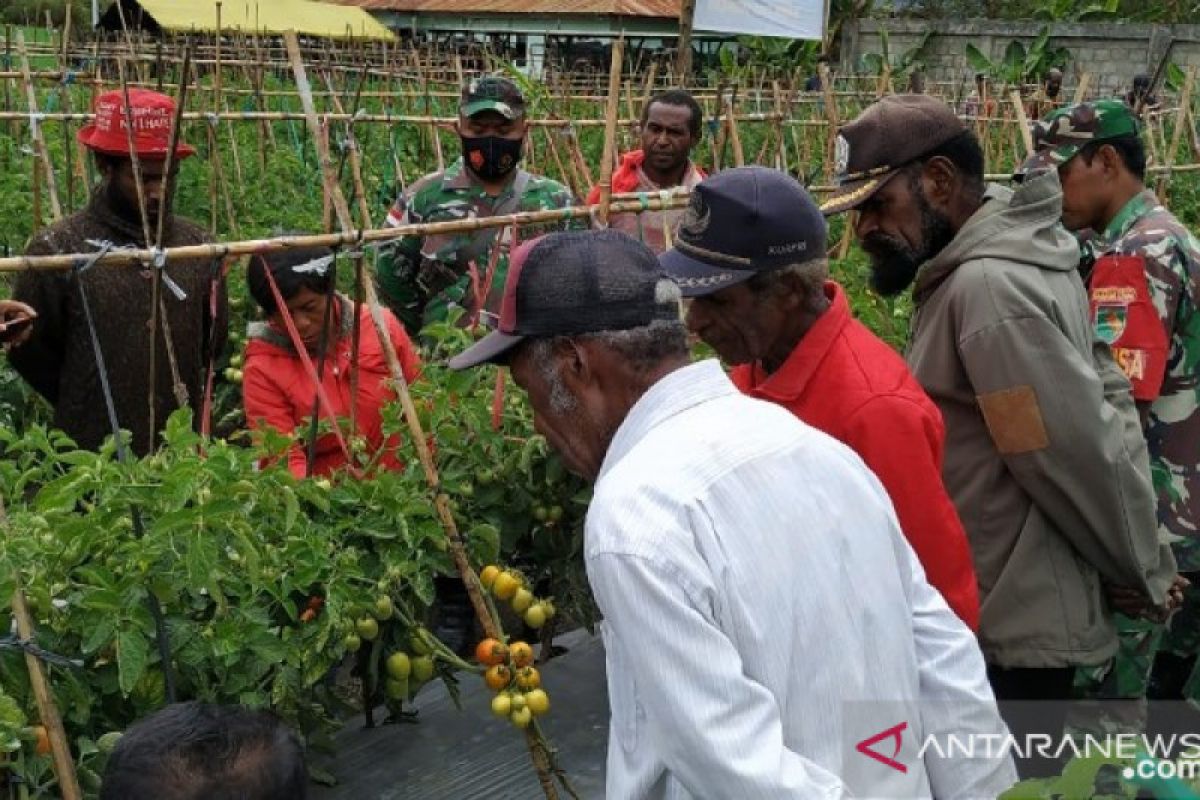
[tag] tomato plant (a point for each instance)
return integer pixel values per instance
(270, 586)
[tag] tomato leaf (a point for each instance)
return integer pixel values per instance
(132, 654)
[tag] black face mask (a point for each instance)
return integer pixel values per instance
(491, 157)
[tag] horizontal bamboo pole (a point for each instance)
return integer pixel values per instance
(135, 257)
(281, 116)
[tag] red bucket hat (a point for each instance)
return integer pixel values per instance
(152, 114)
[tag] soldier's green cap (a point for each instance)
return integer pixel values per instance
(492, 93)
(1065, 131)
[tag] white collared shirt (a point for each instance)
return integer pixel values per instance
(763, 614)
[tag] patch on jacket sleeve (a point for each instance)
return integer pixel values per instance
(1014, 420)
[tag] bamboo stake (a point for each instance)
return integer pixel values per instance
(722, 131)
(1185, 103)
(577, 156)
(1022, 121)
(60, 749)
(7, 89)
(739, 155)
(781, 155)
(39, 142)
(610, 130)
(441, 501)
(831, 114)
(1082, 89)
(569, 176)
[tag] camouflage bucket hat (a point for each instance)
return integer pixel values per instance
(1063, 132)
(492, 93)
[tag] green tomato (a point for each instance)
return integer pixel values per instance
(399, 666)
(396, 689)
(417, 644)
(522, 600)
(367, 628)
(422, 668)
(108, 741)
(384, 608)
(352, 643)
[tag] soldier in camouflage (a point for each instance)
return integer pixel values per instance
(1142, 268)
(422, 277)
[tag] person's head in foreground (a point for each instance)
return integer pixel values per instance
(588, 323)
(492, 126)
(108, 139)
(304, 278)
(200, 751)
(750, 253)
(1097, 149)
(914, 173)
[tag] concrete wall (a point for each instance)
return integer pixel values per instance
(1111, 52)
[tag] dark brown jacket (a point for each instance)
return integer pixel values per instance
(59, 361)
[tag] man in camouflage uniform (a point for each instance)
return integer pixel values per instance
(422, 277)
(1142, 268)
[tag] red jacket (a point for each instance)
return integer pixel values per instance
(845, 381)
(279, 392)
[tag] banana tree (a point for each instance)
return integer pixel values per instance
(901, 65)
(1019, 63)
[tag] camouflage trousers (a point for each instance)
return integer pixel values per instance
(1127, 675)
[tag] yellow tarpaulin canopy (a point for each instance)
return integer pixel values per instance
(270, 16)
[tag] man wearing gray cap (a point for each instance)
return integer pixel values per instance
(1044, 457)
(768, 632)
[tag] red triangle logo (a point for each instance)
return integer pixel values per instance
(893, 732)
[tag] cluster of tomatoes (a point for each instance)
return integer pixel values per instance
(509, 585)
(403, 669)
(517, 683)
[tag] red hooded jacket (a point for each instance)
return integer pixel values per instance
(279, 393)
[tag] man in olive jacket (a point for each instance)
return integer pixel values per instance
(1044, 456)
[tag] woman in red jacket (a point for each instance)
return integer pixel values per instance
(279, 390)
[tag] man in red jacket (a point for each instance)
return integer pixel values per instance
(671, 127)
(762, 299)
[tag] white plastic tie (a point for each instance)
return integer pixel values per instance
(317, 266)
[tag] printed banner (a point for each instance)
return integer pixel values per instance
(794, 19)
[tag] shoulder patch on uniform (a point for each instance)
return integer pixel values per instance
(1014, 419)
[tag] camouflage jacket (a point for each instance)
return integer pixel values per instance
(1171, 255)
(421, 277)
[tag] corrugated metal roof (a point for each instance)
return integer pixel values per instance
(632, 8)
(272, 16)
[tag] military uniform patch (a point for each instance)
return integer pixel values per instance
(1109, 321)
(1132, 362)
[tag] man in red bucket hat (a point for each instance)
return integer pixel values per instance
(58, 358)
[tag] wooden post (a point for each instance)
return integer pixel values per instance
(683, 60)
(610, 128)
